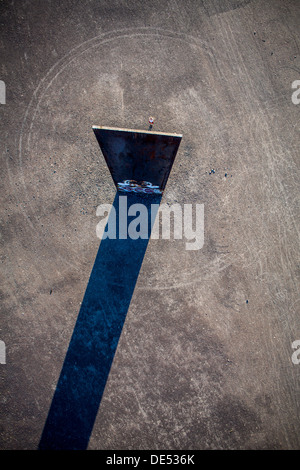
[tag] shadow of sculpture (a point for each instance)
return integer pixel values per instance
(95, 338)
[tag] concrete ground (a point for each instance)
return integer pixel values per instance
(205, 359)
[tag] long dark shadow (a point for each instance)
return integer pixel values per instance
(95, 338)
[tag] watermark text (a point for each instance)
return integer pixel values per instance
(296, 354)
(2, 92)
(2, 352)
(165, 222)
(295, 97)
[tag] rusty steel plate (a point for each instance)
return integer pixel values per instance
(139, 161)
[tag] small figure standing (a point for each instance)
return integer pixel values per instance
(151, 122)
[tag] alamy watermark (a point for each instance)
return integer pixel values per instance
(184, 222)
(296, 354)
(2, 352)
(295, 98)
(2, 92)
